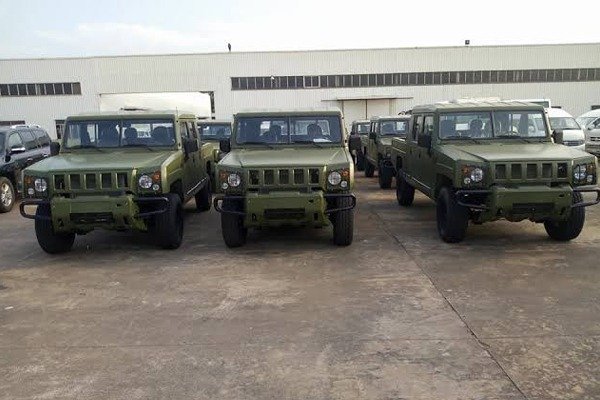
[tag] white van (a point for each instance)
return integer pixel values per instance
(561, 120)
(590, 123)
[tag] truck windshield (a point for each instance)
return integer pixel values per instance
(215, 131)
(479, 125)
(362, 129)
(119, 133)
(395, 128)
(563, 123)
(289, 130)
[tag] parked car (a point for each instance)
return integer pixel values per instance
(484, 161)
(212, 132)
(360, 128)
(560, 120)
(20, 147)
(286, 168)
(124, 170)
(590, 123)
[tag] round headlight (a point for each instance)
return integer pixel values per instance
(234, 180)
(40, 185)
(579, 172)
(145, 182)
(477, 175)
(334, 178)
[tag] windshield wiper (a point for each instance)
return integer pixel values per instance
(138, 145)
(85, 146)
(512, 137)
(318, 144)
(456, 137)
(263, 143)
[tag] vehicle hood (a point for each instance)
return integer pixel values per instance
(301, 157)
(573, 134)
(114, 160)
(513, 152)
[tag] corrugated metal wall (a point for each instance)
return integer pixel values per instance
(212, 72)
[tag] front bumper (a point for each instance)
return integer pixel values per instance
(536, 203)
(85, 213)
(285, 207)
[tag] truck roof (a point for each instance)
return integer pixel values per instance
(477, 106)
(214, 122)
(361, 121)
(133, 114)
(295, 112)
(390, 117)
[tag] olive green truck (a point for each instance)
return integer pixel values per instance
(484, 161)
(125, 170)
(286, 169)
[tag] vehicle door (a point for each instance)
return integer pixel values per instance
(408, 164)
(16, 156)
(425, 158)
(33, 150)
(43, 141)
(372, 150)
(190, 168)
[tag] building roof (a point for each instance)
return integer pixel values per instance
(477, 106)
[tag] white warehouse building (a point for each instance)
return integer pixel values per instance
(360, 82)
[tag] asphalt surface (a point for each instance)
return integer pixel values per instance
(508, 314)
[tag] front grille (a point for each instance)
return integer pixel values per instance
(532, 208)
(595, 139)
(284, 213)
(531, 171)
(284, 177)
(92, 182)
(92, 218)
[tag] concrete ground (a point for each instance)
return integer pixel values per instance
(508, 314)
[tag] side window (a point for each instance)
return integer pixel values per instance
(428, 125)
(14, 140)
(184, 130)
(42, 138)
(29, 140)
(417, 127)
(192, 130)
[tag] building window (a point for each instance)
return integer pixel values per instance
(39, 89)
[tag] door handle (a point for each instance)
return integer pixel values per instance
(30, 159)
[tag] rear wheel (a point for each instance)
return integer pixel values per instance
(204, 197)
(360, 161)
(369, 169)
(405, 193)
(7, 195)
(452, 218)
(343, 223)
(232, 225)
(385, 176)
(570, 228)
(49, 241)
(168, 226)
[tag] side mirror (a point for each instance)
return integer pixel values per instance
(225, 145)
(557, 135)
(372, 135)
(424, 141)
(17, 149)
(54, 148)
(354, 143)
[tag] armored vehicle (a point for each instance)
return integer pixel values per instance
(484, 161)
(377, 150)
(360, 129)
(124, 170)
(20, 147)
(212, 132)
(286, 168)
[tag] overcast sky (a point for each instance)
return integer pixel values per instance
(82, 28)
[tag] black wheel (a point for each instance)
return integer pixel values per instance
(343, 223)
(49, 241)
(369, 169)
(570, 228)
(7, 195)
(232, 225)
(405, 193)
(360, 161)
(167, 228)
(452, 218)
(385, 176)
(204, 198)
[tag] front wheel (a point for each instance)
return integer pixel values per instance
(369, 169)
(570, 228)
(232, 225)
(204, 198)
(50, 241)
(385, 176)
(7, 195)
(360, 160)
(343, 223)
(405, 193)
(452, 218)
(168, 226)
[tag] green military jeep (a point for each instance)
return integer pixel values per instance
(125, 170)
(212, 131)
(484, 161)
(286, 168)
(377, 149)
(360, 129)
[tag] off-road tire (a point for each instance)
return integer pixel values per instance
(204, 197)
(360, 160)
(232, 225)
(385, 176)
(405, 193)
(452, 218)
(343, 223)
(7, 195)
(571, 227)
(369, 169)
(49, 241)
(167, 228)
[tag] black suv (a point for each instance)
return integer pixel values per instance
(20, 146)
